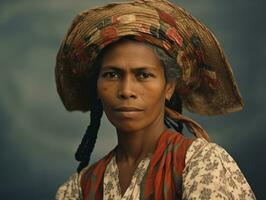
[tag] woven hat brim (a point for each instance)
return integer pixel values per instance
(206, 86)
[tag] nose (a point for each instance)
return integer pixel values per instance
(126, 89)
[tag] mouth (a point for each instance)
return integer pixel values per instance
(127, 109)
(128, 112)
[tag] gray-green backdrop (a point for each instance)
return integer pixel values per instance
(38, 137)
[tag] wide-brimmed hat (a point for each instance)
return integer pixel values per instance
(206, 85)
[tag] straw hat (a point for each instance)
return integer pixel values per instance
(206, 84)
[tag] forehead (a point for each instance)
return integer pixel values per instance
(130, 53)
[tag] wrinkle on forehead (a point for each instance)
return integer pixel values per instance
(129, 53)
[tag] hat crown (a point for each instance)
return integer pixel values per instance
(206, 84)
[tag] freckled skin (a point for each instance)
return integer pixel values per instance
(131, 75)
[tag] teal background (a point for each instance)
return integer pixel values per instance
(38, 137)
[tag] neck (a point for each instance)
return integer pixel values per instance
(134, 146)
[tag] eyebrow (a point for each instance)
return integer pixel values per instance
(134, 69)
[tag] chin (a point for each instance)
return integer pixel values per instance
(128, 127)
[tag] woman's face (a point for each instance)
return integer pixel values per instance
(132, 86)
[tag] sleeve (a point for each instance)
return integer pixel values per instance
(70, 190)
(211, 173)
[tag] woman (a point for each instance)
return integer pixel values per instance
(139, 63)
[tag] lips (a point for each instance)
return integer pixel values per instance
(128, 112)
(127, 109)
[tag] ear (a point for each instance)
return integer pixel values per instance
(169, 89)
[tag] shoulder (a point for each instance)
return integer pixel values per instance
(173, 145)
(210, 172)
(201, 151)
(171, 137)
(97, 168)
(70, 190)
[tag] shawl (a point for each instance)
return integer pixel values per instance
(163, 179)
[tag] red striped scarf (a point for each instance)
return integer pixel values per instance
(163, 179)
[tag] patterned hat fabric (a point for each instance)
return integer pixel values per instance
(206, 85)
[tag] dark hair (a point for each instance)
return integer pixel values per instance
(171, 71)
(87, 144)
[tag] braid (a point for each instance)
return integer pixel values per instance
(87, 144)
(175, 104)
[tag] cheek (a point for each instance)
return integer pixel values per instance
(155, 93)
(101, 89)
(104, 92)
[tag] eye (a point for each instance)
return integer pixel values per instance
(111, 75)
(145, 75)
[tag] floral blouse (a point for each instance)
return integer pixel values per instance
(210, 173)
(111, 186)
